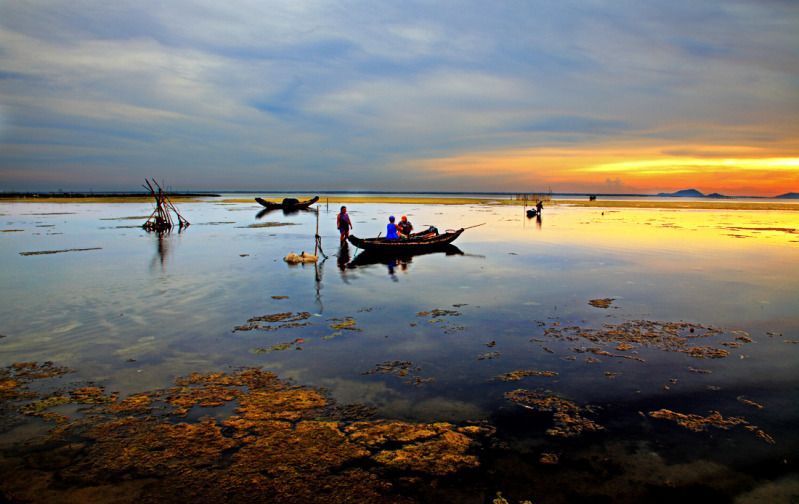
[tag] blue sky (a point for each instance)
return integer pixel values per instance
(388, 95)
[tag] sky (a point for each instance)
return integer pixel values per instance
(518, 96)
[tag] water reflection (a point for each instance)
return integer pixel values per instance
(285, 211)
(161, 250)
(735, 270)
(343, 256)
(396, 261)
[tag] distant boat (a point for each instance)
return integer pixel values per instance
(426, 241)
(288, 203)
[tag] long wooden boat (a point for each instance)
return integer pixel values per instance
(424, 241)
(288, 203)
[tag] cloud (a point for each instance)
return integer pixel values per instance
(342, 94)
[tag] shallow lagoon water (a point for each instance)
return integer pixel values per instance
(143, 310)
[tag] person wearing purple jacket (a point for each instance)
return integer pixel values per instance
(344, 224)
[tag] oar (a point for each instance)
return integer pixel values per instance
(464, 229)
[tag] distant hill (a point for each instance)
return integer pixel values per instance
(717, 196)
(685, 193)
(790, 195)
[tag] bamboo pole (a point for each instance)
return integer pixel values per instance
(316, 236)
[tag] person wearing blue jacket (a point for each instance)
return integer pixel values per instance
(391, 229)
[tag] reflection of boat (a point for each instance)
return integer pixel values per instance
(428, 240)
(267, 211)
(288, 203)
(368, 257)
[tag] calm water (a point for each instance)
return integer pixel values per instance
(141, 310)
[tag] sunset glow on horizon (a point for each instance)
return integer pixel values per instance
(619, 170)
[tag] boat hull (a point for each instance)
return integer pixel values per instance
(300, 205)
(410, 246)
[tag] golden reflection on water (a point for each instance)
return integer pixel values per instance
(660, 229)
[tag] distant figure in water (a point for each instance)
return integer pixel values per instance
(391, 229)
(405, 227)
(344, 224)
(539, 206)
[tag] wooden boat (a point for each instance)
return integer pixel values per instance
(288, 203)
(427, 240)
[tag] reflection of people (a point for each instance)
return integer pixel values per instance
(391, 229)
(405, 226)
(344, 224)
(343, 256)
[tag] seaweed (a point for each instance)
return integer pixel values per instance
(345, 324)
(749, 402)
(666, 336)
(438, 313)
(523, 373)
(279, 347)
(601, 303)
(402, 369)
(698, 423)
(276, 446)
(548, 459)
(567, 415)
(275, 321)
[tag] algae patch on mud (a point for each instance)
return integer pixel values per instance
(567, 416)
(601, 303)
(274, 444)
(275, 321)
(633, 334)
(698, 423)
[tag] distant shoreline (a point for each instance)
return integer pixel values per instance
(646, 201)
(676, 203)
(107, 197)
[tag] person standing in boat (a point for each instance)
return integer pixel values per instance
(391, 229)
(344, 224)
(405, 227)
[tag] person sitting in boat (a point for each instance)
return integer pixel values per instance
(344, 224)
(391, 229)
(405, 227)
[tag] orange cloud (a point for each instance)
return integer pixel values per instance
(624, 168)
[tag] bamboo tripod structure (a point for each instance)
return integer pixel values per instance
(161, 220)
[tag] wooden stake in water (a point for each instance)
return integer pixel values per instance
(316, 237)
